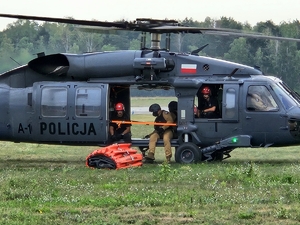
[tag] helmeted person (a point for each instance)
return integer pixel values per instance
(208, 106)
(121, 130)
(160, 132)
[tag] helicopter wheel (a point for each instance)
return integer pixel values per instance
(187, 153)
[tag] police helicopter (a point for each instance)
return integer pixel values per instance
(66, 98)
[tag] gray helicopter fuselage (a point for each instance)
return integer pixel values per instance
(66, 98)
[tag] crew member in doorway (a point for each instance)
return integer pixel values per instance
(121, 130)
(172, 106)
(160, 132)
(208, 106)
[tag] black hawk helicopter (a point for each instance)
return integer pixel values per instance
(66, 98)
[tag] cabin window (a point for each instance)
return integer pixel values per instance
(213, 101)
(54, 102)
(230, 105)
(88, 102)
(260, 99)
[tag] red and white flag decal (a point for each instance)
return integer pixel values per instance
(188, 68)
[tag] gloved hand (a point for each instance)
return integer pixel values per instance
(147, 136)
(119, 136)
(202, 113)
(160, 130)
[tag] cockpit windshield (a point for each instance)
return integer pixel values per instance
(286, 95)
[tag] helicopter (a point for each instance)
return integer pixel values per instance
(66, 98)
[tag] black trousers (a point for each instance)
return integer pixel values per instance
(126, 138)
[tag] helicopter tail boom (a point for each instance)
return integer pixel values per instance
(91, 65)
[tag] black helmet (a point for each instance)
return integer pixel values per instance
(154, 107)
(172, 106)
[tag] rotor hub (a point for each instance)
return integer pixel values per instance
(155, 41)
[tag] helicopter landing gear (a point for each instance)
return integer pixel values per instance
(215, 156)
(143, 150)
(218, 155)
(187, 153)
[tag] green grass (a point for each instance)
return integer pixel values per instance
(50, 184)
(45, 184)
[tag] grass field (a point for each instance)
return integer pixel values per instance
(50, 184)
(44, 184)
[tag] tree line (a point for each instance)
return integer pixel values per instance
(22, 40)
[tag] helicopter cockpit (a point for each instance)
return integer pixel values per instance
(287, 97)
(259, 98)
(291, 102)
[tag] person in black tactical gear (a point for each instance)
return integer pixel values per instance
(160, 132)
(172, 106)
(120, 131)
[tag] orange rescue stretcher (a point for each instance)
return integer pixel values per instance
(115, 156)
(119, 155)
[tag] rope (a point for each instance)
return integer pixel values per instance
(143, 123)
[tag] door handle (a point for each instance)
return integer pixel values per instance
(284, 128)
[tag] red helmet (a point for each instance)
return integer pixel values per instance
(119, 107)
(206, 91)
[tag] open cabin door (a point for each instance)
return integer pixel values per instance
(70, 112)
(211, 130)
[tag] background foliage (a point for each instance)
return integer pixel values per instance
(22, 40)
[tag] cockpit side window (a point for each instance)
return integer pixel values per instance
(259, 98)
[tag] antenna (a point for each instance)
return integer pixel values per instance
(15, 61)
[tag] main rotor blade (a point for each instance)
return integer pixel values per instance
(68, 21)
(148, 25)
(145, 25)
(257, 35)
(160, 29)
(174, 29)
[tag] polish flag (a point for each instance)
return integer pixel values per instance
(189, 68)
